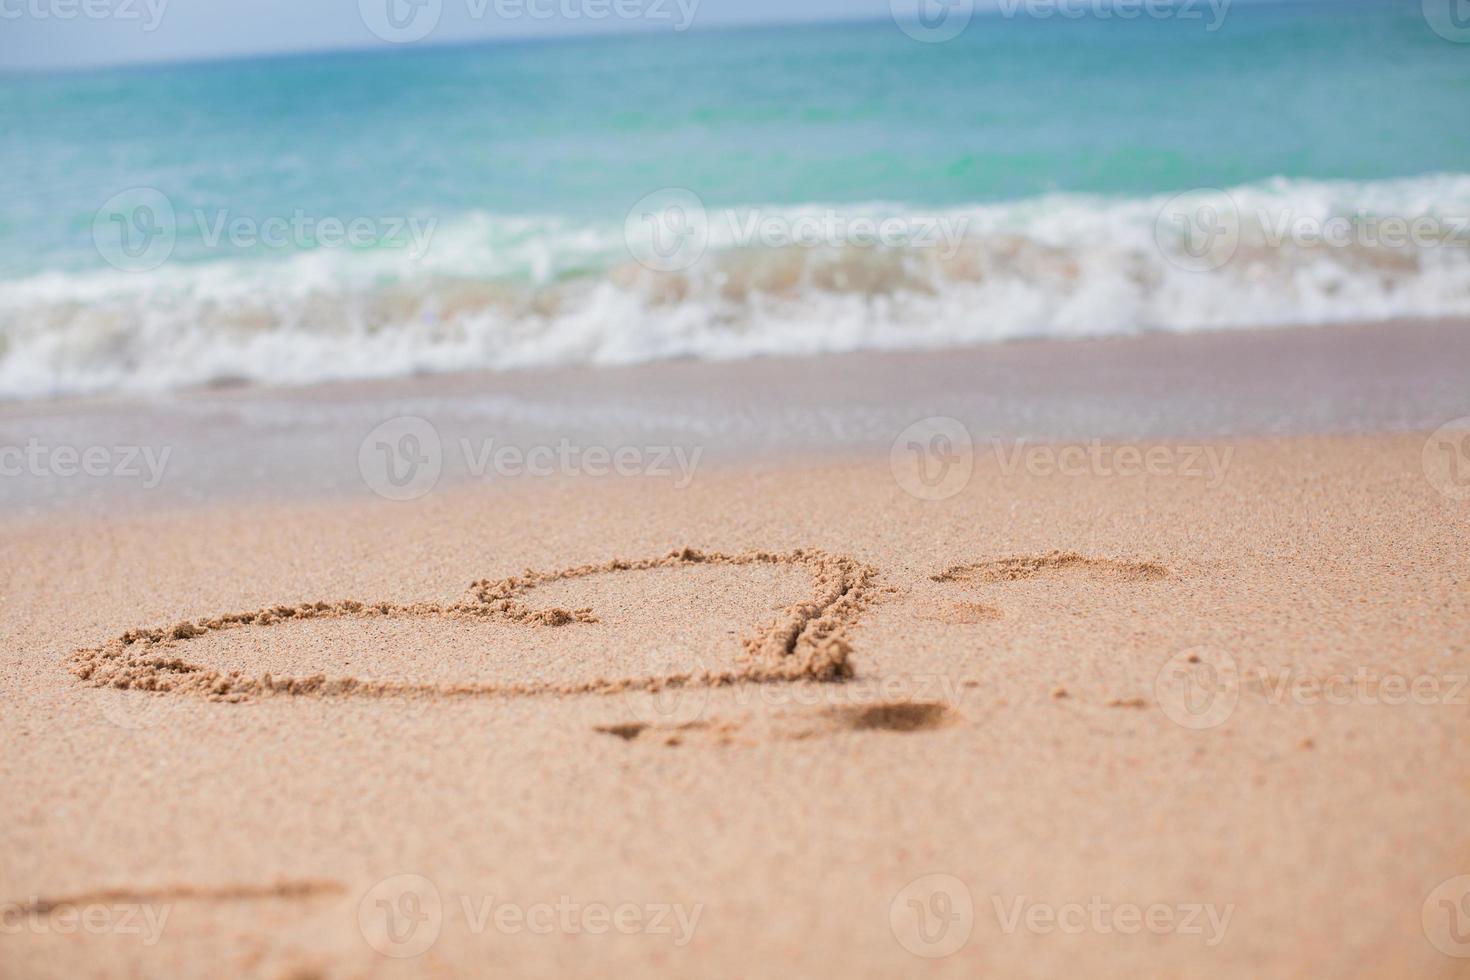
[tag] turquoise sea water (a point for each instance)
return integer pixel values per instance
(1048, 146)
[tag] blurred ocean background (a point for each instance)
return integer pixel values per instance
(495, 187)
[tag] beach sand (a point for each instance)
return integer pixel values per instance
(1192, 722)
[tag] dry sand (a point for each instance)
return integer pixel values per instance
(1002, 689)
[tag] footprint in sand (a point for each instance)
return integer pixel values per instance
(807, 640)
(1015, 569)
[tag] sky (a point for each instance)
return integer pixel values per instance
(44, 34)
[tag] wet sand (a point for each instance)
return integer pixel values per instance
(288, 444)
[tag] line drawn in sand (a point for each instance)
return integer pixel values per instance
(1015, 569)
(807, 641)
(289, 889)
(1034, 566)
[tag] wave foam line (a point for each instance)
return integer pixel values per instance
(500, 293)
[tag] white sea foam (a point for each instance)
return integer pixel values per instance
(501, 292)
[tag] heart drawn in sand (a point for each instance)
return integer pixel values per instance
(806, 641)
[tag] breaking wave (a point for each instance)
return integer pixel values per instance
(493, 292)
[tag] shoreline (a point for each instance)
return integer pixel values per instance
(685, 371)
(687, 417)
